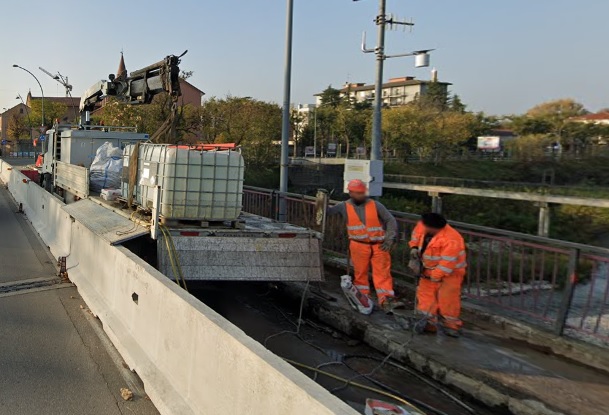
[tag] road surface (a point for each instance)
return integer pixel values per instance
(55, 358)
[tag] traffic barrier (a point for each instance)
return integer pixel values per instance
(191, 359)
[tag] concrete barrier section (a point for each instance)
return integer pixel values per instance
(191, 359)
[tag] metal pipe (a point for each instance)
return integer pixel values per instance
(285, 129)
(375, 150)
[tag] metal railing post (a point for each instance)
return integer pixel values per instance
(436, 203)
(543, 228)
(274, 205)
(565, 305)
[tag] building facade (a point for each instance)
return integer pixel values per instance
(396, 92)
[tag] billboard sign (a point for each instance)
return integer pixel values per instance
(489, 143)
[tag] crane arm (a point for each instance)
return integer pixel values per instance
(139, 87)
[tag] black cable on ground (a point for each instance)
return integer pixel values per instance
(417, 375)
(355, 384)
(398, 393)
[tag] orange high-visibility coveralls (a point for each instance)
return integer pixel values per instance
(365, 247)
(444, 262)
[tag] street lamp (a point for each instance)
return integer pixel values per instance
(41, 91)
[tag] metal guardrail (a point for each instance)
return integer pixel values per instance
(541, 188)
(559, 285)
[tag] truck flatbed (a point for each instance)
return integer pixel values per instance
(260, 250)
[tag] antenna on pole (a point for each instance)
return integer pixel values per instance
(63, 80)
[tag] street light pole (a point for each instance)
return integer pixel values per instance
(285, 128)
(41, 91)
(381, 20)
(315, 135)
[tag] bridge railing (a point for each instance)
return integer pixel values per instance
(559, 285)
(529, 187)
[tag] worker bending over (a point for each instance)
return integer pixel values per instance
(441, 252)
(372, 231)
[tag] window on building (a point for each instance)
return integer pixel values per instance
(20, 110)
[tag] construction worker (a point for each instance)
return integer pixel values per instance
(441, 252)
(372, 231)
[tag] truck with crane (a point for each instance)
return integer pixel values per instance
(177, 206)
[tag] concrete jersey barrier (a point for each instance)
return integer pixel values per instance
(191, 359)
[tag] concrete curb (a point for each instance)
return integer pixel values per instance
(488, 391)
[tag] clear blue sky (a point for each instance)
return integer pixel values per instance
(502, 56)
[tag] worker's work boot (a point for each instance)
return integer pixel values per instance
(392, 303)
(456, 333)
(423, 326)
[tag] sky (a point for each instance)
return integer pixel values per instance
(502, 56)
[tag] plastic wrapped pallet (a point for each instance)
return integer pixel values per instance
(106, 169)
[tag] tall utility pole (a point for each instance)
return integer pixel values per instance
(381, 20)
(422, 59)
(285, 128)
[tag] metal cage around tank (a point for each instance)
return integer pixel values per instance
(204, 185)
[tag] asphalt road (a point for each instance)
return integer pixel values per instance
(54, 359)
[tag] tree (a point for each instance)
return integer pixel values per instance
(18, 127)
(436, 96)
(331, 97)
(530, 147)
(456, 104)
(555, 120)
(52, 111)
(353, 126)
(557, 110)
(252, 124)
(427, 131)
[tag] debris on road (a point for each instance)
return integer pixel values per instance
(126, 394)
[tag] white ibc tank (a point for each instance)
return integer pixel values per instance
(195, 184)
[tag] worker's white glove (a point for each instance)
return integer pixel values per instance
(415, 262)
(414, 253)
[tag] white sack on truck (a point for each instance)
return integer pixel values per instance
(106, 169)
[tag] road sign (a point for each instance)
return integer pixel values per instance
(41, 138)
(3, 142)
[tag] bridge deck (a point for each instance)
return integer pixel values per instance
(55, 357)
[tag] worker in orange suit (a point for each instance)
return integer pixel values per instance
(441, 252)
(372, 232)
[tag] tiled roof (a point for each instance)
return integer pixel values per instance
(599, 116)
